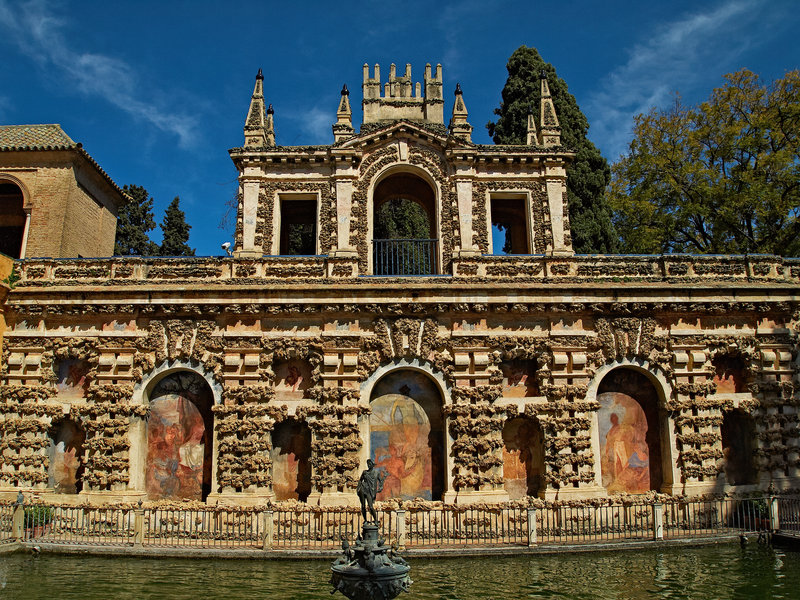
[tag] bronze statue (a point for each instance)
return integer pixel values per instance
(369, 485)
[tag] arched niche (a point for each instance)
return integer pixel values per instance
(407, 434)
(730, 373)
(634, 457)
(292, 378)
(519, 378)
(71, 378)
(13, 217)
(179, 436)
(738, 446)
(66, 457)
(403, 223)
(523, 457)
(291, 460)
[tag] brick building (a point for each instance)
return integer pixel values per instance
(55, 200)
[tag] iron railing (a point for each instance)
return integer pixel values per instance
(404, 257)
(302, 527)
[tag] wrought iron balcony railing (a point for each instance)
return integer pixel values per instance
(403, 257)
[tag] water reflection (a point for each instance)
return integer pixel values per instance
(714, 572)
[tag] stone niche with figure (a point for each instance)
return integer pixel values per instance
(404, 295)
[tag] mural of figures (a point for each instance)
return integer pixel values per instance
(178, 438)
(519, 378)
(66, 458)
(291, 461)
(738, 433)
(292, 378)
(630, 458)
(523, 458)
(730, 374)
(71, 382)
(406, 436)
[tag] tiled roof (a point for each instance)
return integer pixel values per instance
(34, 137)
(46, 137)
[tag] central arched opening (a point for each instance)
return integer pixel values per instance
(291, 460)
(630, 433)
(180, 438)
(404, 231)
(407, 435)
(12, 219)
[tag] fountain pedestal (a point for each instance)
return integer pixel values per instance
(369, 570)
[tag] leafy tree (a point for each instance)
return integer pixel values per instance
(135, 219)
(401, 218)
(721, 177)
(588, 175)
(176, 232)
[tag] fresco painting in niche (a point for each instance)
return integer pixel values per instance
(291, 464)
(406, 437)
(178, 455)
(738, 433)
(71, 379)
(519, 378)
(523, 458)
(729, 374)
(624, 452)
(292, 377)
(66, 458)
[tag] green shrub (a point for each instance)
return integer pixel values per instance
(36, 516)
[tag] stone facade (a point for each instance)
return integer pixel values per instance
(467, 372)
(67, 204)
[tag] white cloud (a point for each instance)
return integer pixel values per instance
(675, 57)
(38, 33)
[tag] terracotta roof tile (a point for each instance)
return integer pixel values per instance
(34, 137)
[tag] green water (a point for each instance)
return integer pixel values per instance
(712, 572)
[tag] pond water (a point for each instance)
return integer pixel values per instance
(712, 572)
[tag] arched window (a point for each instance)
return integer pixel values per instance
(291, 460)
(12, 219)
(630, 433)
(407, 435)
(179, 438)
(523, 457)
(404, 214)
(65, 473)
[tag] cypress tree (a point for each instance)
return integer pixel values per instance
(588, 174)
(134, 220)
(176, 232)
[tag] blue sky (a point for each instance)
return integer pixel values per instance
(158, 91)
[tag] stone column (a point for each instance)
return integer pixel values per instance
(556, 177)
(249, 213)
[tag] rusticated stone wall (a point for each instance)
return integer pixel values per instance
(234, 341)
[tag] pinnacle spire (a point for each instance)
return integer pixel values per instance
(533, 137)
(343, 128)
(258, 130)
(548, 120)
(459, 127)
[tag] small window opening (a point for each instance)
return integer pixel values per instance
(509, 226)
(12, 220)
(298, 227)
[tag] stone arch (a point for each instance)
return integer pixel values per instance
(738, 446)
(640, 455)
(14, 216)
(66, 456)
(406, 433)
(174, 451)
(523, 457)
(422, 188)
(291, 460)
